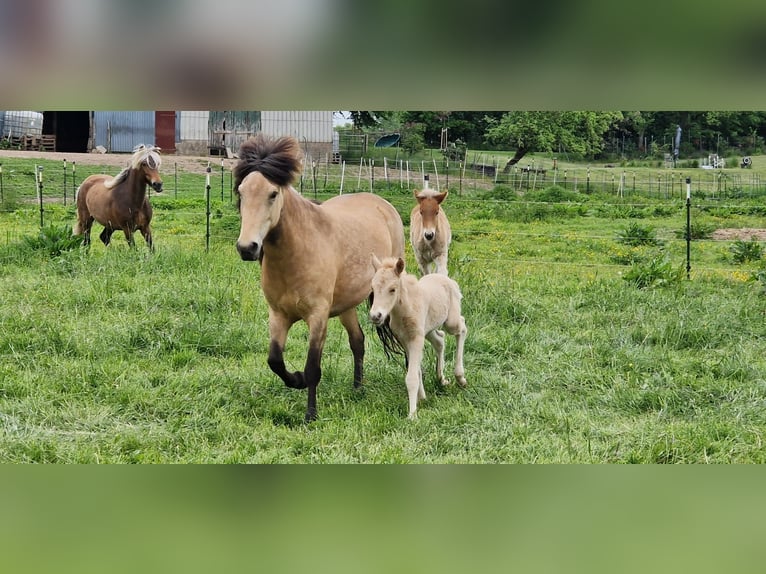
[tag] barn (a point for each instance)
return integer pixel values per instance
(185, 132)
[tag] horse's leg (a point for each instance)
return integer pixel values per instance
(312, 372)
(279, 325)
(460, 342)
(147, 233)
(129, 236)
(422, 262)
(106, 235)
(455, 325)
(441, 263)
(350, 322)
(86, 227)
(436, 338)
(414, 379)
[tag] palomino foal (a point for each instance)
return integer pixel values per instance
(417, 308)
(430, 232)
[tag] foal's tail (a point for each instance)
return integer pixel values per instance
(391, 345)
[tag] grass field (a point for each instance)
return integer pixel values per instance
(121, 356)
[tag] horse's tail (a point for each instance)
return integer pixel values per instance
(391, 345)
(77, 227)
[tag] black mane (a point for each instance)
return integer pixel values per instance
(278, 160)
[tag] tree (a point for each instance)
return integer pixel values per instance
(577, 132)
(367, 119)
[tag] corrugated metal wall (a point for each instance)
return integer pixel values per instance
(123, 131)
(194, 126)
(308, 126)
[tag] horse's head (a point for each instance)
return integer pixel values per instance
(260, 205)
(147, 159)
(386, 284)
(261, 178)
(429, 203)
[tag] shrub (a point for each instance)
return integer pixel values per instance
(698, 231)
(555, 194)
(655, 272)
(501, 192)
(636, 234)
(53, 240)
(744, 251)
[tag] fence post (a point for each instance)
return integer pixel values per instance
(222, 180)
(207, 207)
(64, 182)
(688, 227)
(40, 192)
(313, 177)
(74, 185)
(175, 180)
(2, 197)
(587, 187)
(342, 176)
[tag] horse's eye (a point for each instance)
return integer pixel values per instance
(273, 195)
(392, 290)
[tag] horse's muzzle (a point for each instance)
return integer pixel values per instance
(251, 252)
(429, 235)
(377, 318)
(157, 186)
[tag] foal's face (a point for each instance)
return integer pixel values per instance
(386, 284)
(429, 210)
(152, 174)
(260, 205)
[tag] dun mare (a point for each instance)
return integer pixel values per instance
(430, 232)
(120, 202)
(416, 310)
(315, 258)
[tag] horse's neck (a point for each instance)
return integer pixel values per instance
(136, 186)
(409, 296)
(298, 221)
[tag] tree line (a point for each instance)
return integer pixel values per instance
(587, 135)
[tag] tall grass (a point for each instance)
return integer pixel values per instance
(118, 355)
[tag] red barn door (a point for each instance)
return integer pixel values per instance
(165, 131)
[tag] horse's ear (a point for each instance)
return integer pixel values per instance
(399, 266)
(441, 196)
(416, 193)
(375, 262)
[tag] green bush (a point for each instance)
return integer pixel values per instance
(636, 234)
(698, 231)
(53, 240)
(655, 272)
(501, 192)
(744, 251)
(555, 194)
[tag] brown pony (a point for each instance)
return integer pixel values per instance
(430, 232)
(120, 202)
(315, 258)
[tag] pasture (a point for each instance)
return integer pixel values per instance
(586, 343)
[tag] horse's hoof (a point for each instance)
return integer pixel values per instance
(445, 382)
(462, 382)
(311, 415)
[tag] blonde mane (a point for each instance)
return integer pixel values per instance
(141, 153)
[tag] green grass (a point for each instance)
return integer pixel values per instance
(117, 355)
